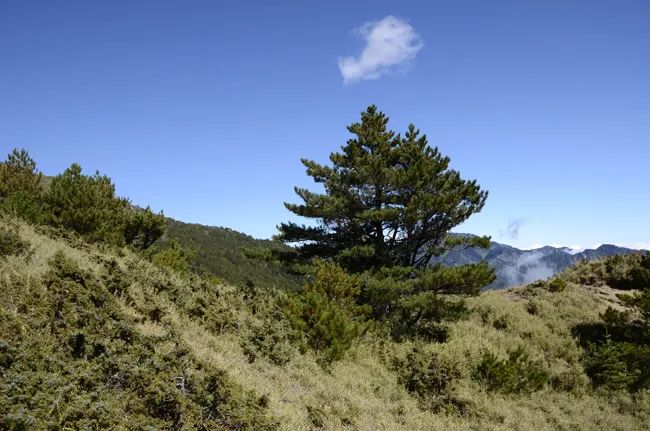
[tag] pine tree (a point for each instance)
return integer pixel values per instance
(87, 205)
(21, 185)
(389, 200)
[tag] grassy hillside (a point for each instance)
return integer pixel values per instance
(98, 337)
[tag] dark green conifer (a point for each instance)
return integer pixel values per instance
(388, 206)
(388, 200)
(21, 185)
(87, 205)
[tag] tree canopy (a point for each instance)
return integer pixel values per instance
(389, 200)
(73, 201)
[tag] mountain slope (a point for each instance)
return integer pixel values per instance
(228, 254)
(232, 256)
(94, 337)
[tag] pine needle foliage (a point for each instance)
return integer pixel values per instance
(21, 187)
(326, 310)
(388, 206)
(85, 204)
(518, 373)
(389, 200)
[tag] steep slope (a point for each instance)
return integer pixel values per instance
(86, 343)
(97, 338)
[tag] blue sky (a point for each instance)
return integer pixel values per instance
(203, 109)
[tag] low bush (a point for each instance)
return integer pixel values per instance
(557, 285)
(618, 365)
(326, 310)
(173, 256)
(623, 272)
(417, 304)
(270, 338)
(11, 244)
(518, 373)
(427, 377)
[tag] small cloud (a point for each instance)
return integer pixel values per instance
(641, 245)
(389, 43)
(512, 230)
(575, 249)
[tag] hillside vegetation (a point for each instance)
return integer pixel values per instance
(100, 338)
(113, 317)
(230, 255)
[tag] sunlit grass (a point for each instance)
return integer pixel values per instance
(362, 391)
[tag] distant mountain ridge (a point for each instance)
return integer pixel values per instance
(515, 267)
(219, 251)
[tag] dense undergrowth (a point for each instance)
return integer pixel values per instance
(75, 352)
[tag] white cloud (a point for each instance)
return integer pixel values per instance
(389, 43)
(642, 245)
(571, 249)
(528, 268)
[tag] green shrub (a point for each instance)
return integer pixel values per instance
(617, 350)
(422, 316)
(11, 244)
(326, 310)
(269, 338)
(328, 328)
(417, 303)
(143, 227)
(426, 376)
(516, 374)
(635, 275)
(617, 365)
(533, 307)
(174, 257)
(557, 285)
(202, 301)
(623, 272)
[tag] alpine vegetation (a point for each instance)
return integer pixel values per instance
(115, 317)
